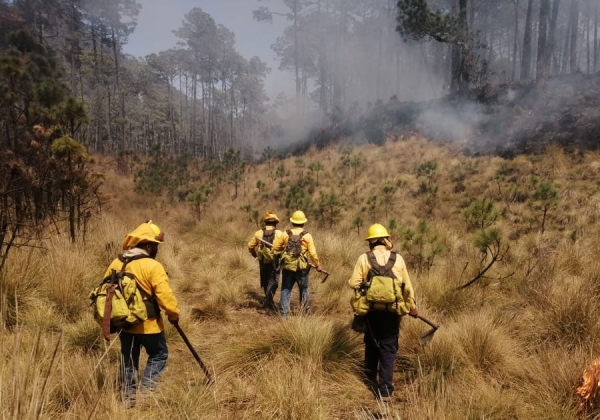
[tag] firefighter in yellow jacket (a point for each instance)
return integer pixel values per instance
(261, 248)
(297, 250)
(141, 247)
(383, 327)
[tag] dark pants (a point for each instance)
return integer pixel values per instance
(381, 346)
(131, 345)
(269, 280)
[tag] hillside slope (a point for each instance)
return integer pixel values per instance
(512, 345)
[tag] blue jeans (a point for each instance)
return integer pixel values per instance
(131, 345)
(287, 283)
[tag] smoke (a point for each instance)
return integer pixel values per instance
(449, 121)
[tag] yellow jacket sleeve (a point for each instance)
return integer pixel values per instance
(280, 241)
(361, 269)
(308, 247)
(253, 243)
(401, 272)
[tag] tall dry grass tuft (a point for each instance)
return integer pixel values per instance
(571, 313)
(19, 284)
(329, 344)
(67, 271)
(28, 376)
(278, 394)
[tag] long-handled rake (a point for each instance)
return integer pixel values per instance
(209, 378)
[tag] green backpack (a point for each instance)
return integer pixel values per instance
(382, 291)
(265, 252)
(119, 303)
(292, 258)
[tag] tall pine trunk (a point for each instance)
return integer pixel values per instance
(542, 52)
(526, 60)
(574, 18)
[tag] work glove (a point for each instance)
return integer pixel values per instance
(414, 313)
(174, 321)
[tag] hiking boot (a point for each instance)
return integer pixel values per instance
(268, 306)
(384, 397)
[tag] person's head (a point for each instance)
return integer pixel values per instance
(270, 219)
(298, 219)
(378, 235)
(146, 236)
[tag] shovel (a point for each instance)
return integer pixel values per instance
(426, 338)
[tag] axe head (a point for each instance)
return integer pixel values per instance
(426, 338)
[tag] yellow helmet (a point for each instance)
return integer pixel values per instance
(377, 231)
(298, 218)
(146, 232)
(270, 217)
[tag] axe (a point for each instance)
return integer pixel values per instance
(327, 273)
(426, 338)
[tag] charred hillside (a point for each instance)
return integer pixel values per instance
(506, 120)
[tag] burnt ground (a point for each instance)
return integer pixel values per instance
(507, 119)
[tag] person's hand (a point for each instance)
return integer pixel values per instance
(414, 313)
(174, 321)
(319, 268)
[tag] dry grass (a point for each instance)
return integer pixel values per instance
(512, 346)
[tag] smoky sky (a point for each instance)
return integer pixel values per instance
(158, 18)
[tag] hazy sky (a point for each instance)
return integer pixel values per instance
(159, 18)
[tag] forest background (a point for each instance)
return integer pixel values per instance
(502, 248)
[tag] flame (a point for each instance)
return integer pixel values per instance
(588, 392)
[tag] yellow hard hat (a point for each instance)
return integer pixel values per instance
(298, 218)
(271, 217)
(146, 232)
(377, 231)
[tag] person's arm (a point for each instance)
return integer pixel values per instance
(359, 274)
(409, 293)
(309, 243)
(164, 294)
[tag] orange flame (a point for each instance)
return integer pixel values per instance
(588, 392)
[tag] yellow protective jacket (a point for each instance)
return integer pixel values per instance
(151, 277)
(362, 267)
(307, 244)
(255, 241)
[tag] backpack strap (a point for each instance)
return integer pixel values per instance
(381, 270)
(268, 234)
(152, 305)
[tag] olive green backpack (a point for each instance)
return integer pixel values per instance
(382, 291)
(292, 258)
(265, 252)
(118, 301)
